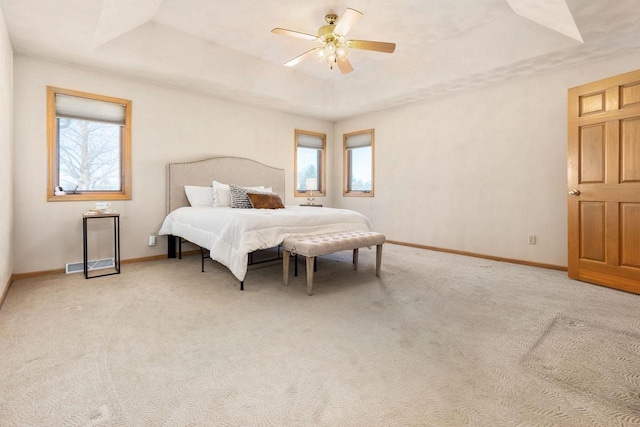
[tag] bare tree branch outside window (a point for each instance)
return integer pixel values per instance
(89, 155)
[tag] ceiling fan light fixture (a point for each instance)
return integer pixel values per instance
(331, 52)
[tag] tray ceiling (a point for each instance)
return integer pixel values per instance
(226, 49)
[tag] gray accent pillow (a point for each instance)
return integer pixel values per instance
(239, 198)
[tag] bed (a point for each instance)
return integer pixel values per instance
(231, 234)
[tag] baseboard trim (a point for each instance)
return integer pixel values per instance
(476, 255)
(6, 291)
(143, 259)
(31, 274)
(20, 276)
(157, 257)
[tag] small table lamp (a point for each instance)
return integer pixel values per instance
(311, 185)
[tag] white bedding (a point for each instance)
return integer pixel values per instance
(231, 234)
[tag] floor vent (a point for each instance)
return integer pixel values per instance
(78, 267)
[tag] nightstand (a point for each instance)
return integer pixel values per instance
(116, 241)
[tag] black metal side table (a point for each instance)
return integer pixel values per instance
(116, 241)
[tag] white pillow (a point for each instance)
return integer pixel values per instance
(199, 196)
(222, 194)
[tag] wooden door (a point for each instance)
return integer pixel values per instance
(604, 182)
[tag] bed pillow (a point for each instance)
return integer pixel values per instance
(199, 196)
(265, 201)
(239, 198)
(222, 194)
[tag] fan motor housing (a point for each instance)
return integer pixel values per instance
(325, 33)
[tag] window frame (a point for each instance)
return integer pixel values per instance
(346, 163)
(53, 154)
(322, 162)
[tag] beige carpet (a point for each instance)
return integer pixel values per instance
(438, 340)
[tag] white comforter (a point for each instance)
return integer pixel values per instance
(231, 234)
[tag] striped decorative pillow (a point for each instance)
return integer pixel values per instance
(239, 198)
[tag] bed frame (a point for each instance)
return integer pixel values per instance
(228, 170)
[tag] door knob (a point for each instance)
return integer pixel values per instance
(574, 193)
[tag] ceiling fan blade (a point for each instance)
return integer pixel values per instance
(298, 59)
(370, 45)
(345, 66)
(348, 20)
(294, 34)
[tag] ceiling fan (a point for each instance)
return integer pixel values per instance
(334, 48)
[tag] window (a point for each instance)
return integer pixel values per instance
(89, 146)
(309, 164)
(358, 163)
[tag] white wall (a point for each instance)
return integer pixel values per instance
(474, 171)
(6, 157)
(479, 170)
(169, 125)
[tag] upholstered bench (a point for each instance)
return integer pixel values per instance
(323, 244)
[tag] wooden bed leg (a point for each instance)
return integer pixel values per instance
(310, 261)
(378, 259)
(355, 259)
(242, 285)
(285, 267)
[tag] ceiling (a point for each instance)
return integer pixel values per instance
(226, 49)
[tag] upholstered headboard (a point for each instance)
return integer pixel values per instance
(227, 170)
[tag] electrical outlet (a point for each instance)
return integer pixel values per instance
(532, 239)
(152, 240)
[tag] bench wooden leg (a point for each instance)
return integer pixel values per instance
(355, 259)
(378, 259)
(285, 267)
(310, 261)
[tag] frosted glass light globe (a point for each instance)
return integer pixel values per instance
(342, 52)
(330, 48)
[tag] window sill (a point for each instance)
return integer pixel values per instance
(309, 195)
(70, 197)
(358, 194)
